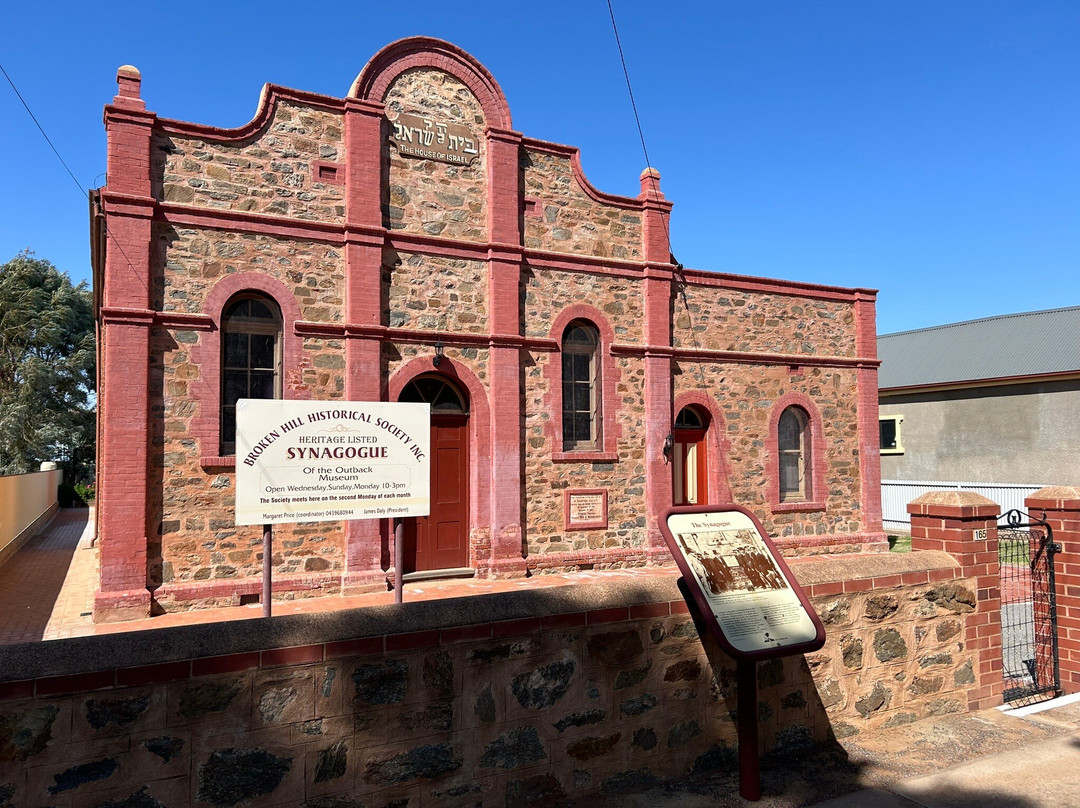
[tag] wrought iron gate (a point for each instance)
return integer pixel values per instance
(1029, 642)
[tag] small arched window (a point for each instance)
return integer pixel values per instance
(793, 446)
(250, 358)
(580, 386)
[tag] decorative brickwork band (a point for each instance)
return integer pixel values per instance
(964, 524)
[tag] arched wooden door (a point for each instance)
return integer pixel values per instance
(690, 458)
(440, 541)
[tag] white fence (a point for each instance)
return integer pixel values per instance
(896, 494)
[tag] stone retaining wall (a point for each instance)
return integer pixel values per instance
(541, 694)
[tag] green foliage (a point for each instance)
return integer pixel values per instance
(46, 369)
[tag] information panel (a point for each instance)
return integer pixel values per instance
(740, 582)
(315, 461)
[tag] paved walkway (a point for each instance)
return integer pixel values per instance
(992, 759)
(47, 588)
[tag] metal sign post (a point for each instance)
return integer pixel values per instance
(268, 554)
(750, 603)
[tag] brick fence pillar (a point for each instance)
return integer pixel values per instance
(964, 524)
(1061, 504)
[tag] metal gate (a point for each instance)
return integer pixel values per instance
(1029, 642)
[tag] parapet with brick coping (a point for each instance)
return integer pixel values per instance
(562, 692)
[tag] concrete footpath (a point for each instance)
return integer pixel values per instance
(992, 759)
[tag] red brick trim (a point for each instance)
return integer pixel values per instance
(817, 451)
(574, 155)
(479, 425)
(248, 222)
(269, 98)
(206, 354)
(716, 440)
(742, 357)
(589, 559)
(419, 52)
(610, 430)
(596, 524)
(814, 291)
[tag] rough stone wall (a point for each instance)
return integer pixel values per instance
(190, 261)
(570, 220)
(746, 395)
(733, 320)
(894, 655)
(427, 196)
(195, 540)
(436, 293)
(269, 172)
(547, 293)
(545, 481)
(542, 709)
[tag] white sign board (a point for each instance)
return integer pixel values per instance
(748, 593)
(317, 461)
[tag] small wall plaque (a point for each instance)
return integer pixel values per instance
(585, 508)
(418, 136)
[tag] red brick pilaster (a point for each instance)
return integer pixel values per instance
(1061, 504)
(123, 394)
(964, 524)
(869, 434)
(658, 283)
(363, 306)
(504, 281)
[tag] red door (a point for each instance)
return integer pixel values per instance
(691, 468)
(440, 540)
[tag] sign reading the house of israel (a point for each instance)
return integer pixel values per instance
(418, 136)
(742, 586)
(314, 461)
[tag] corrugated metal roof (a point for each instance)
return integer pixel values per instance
(1032, 343)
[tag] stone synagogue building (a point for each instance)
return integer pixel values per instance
(405, 243)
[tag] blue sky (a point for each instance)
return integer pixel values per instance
(930, 150)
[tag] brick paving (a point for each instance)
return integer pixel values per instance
(47, 589)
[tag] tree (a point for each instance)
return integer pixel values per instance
(46, 369)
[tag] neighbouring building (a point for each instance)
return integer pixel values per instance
(992, 400)
(406, 243)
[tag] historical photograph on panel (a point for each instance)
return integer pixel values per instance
(753, 602)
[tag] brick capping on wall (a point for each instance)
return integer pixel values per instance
(177, 652)
(1060, 507)
(964, 524)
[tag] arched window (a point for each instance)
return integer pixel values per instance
(793, 447)
(250, 358)
(580, 386)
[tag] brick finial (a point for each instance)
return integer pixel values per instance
(128, 81)
(650, 184)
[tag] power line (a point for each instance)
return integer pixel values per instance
(663, 214)
(83, 191)
(40, 129)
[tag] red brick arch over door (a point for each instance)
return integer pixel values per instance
(478, 436)
(716, 442)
